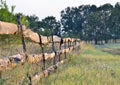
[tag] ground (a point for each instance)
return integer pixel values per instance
(91, 65)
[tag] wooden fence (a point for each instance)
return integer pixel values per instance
(66, 45)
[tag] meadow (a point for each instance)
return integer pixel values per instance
(87, 66)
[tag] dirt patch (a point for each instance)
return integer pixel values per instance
(112, 51)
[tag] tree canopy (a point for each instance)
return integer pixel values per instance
(87, 22)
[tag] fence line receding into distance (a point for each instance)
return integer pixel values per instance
(65, 45)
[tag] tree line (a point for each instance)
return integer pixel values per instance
(87, 22)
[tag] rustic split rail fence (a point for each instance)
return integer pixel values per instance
(66, 45)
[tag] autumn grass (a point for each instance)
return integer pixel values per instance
(90, 67)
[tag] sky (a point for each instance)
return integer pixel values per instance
(44, 8)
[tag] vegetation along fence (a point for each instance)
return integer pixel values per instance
(57, 47)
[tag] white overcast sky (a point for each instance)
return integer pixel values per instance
(44, 8)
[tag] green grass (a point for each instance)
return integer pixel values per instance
(90, 67)
(110, 46)
(12, 44)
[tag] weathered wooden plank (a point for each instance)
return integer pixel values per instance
(9, 28)
(11, 62)
(47, 72)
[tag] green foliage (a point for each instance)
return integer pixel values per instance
(9, 16)
(5, 14)
(24, 21)
(33, 22)
(87, 22)
(50, 24)
(92, 23)
(12, 9)
(46, 32)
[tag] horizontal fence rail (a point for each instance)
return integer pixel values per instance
(11, 61)
(10, 28)
(66, 45)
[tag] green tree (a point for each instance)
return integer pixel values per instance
(115, 22)
(5, 14)
(50, 24)
(105, 11)
(24, 20)
(93, 29)
(72, 20)
(33, 22)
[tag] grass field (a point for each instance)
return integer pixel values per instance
(110, 48)
(89, 66)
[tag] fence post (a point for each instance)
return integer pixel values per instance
(43, 68)
(73, 45)
(20, 27)
(75, 42)
(53, 48)
(65, 49)
(43, 56)
(68, 43)
(61, 42)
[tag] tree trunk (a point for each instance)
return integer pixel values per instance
(115, 40)
(106, 41)
(101, 42)
(96, 42)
